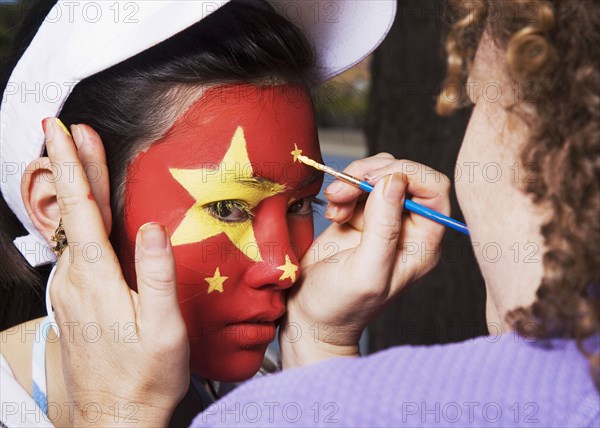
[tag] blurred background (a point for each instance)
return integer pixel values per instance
(386, 103)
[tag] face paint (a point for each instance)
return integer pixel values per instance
(224, 182)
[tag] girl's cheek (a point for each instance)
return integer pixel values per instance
(302, 234)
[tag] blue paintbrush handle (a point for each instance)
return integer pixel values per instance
(426, 212)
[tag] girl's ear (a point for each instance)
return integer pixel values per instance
(39, 196)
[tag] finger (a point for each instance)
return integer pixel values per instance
(381, 228)
(339, 192)
(157, 285)
(343, 197)
(345, 213)
(424, 183)
(427, 187)
(93, 159)
(358, 217)
(81, 217)
(340, 213)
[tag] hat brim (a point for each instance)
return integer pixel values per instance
(343, 32)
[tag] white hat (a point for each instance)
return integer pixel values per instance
(79, 39)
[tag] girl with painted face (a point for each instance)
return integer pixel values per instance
(199, 133)
(239, 212)
(541, 363)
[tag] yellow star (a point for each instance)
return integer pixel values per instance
(232, 179)
(296, 152)
(215, 283)
(289, 269)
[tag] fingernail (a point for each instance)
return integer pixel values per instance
(62, 126)
(334, 187)
(388, 189)
(154, 236)
(392, 192)
(48, 128)
(331, 212)
(77, 135)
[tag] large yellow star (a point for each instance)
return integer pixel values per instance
(296, 152)
(215, 283)
(289, 269)
(232, 179)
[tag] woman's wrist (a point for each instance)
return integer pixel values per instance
(132, 414)
(304, 343)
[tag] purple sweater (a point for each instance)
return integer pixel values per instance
(490, 381)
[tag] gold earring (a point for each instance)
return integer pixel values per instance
(60, 237)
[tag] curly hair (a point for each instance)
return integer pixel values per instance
(551, 52)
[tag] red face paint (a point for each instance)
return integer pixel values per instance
(237, 206)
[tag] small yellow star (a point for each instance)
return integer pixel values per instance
(289, 269)
(215, 283)
(296, 152)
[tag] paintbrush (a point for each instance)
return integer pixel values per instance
(408, 204)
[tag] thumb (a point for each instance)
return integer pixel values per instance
(158, 307)
(382, 227)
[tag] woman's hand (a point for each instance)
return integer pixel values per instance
(363, 260)
(136, 367)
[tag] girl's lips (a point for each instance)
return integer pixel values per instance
(250, 333)
(257, 329)
(270, 316)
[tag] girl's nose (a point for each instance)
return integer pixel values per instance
(279, 267)
(280, 274)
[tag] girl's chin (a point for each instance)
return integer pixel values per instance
(229, 367)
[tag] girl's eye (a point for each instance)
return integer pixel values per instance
(231, 211)
(304, 206)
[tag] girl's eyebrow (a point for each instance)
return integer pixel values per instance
(260, 183)
(263, 183)
(312, 178)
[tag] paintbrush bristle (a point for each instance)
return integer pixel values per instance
(337, 174)
(308, 161)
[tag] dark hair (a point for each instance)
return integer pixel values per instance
(129, 104)
(551, 51)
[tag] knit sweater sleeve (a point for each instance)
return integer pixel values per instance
(490, 381)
